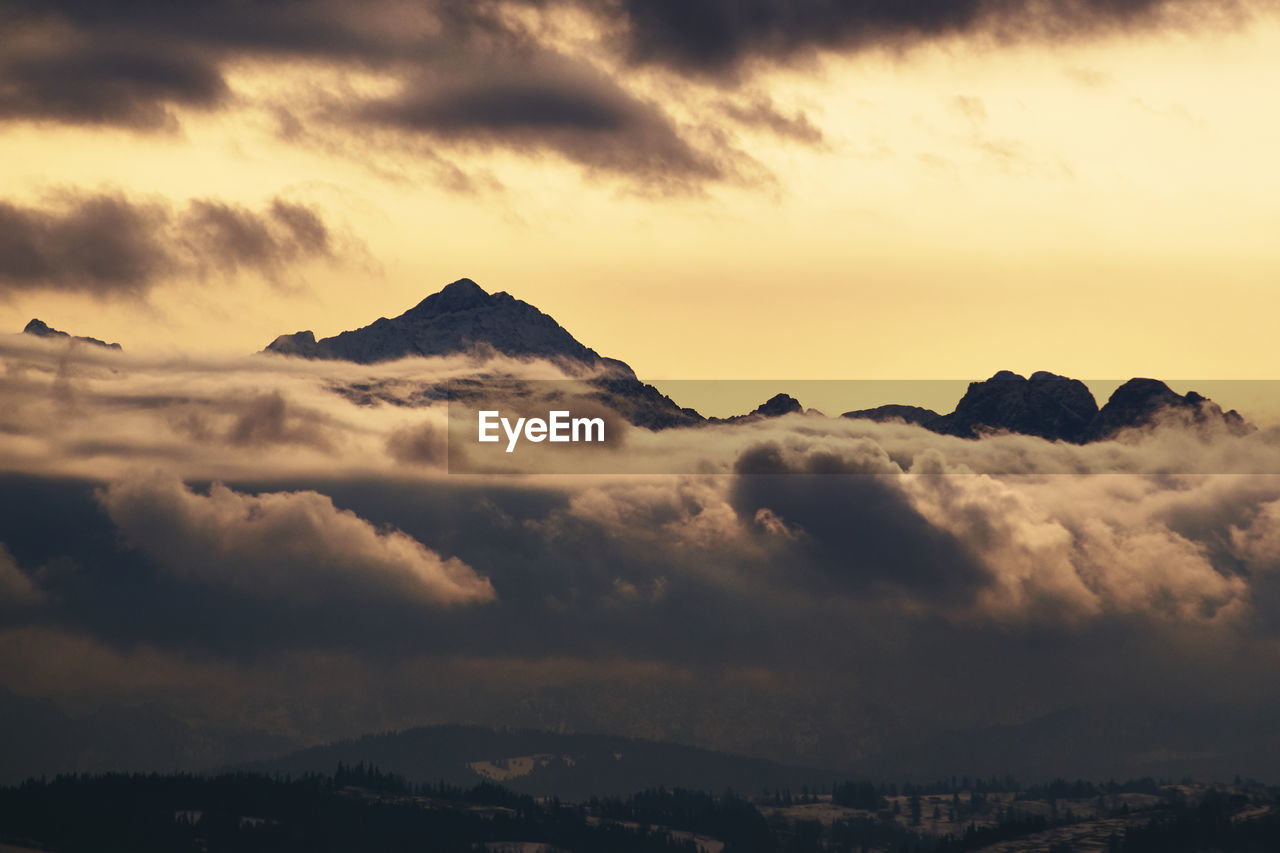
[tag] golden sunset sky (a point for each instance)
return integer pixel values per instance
(1099, 200)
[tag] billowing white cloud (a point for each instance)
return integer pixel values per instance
(1258, 543)
(291, 546)
(1046, 560)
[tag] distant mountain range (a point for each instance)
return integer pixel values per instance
(1060, 409)
(570, 766)
(38, 737)
(1206, 742)
(464, 318)
(1093, 743)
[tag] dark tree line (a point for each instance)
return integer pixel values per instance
(1060, 789)
(862, 794)
(726, 817)
(1212, 825)
(362, 808)
(252, 813)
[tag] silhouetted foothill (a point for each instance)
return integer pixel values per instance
(41, 330)
(917, 415)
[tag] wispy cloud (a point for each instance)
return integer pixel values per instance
(107, 245)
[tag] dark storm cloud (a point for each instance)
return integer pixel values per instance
(472, 74)
(108, 245)
(573, 599)
(227, 27)
(714, 36)
(511, 106)
(108, 85)
(16, 587)
(101, 244)
(691, 34)
(546, 102)
(468, 77)
(861, 532)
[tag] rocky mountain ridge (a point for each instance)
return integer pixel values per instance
(464, 318)
(1058, 408)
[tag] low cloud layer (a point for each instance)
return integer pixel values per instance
(287, 535)
(110, 246)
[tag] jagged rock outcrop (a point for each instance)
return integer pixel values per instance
(1143, 402)
(1057, 408)
(41, 330)
(1046, 405)
(775, 407)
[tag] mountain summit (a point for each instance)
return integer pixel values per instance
(41, 329)
(463, 317)
(460, 318)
